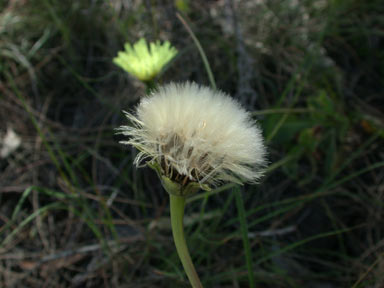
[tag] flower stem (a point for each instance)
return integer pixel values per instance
(150, 86)
(177, 215)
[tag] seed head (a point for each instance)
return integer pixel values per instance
(145, 62)
(196, 134)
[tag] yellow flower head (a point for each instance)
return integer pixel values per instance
(145, 62)
(196, 134)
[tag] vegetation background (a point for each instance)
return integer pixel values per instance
(74, 212)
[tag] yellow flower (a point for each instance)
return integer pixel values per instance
(195, 134)
(145, 62)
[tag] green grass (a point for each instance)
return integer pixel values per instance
(74, 210)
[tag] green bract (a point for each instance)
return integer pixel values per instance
(143, 61)
(174, 188)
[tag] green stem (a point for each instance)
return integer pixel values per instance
(150, 86)
(177, 215)
(201, 51)
(244, 232)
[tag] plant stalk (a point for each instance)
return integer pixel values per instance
(177, 216)
(150, 86)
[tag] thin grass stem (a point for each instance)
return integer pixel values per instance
(201, 51)
(244, 232)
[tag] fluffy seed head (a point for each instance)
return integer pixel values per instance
(145, 62)
(196, 134)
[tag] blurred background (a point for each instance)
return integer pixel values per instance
(74, 212)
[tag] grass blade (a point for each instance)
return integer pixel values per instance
(244, 233)
(201, 51)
